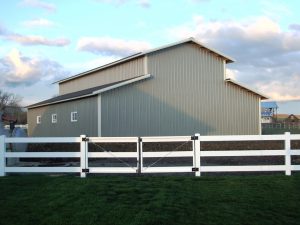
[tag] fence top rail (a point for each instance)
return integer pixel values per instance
(113, 139)
(243, 138)
(149, 139)
(166, 139)
(42, 139)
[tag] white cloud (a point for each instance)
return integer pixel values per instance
(141, 3)
(32, 39)
(16, 70)
(231, 73)
(267, 57)
(38, 23)
(107, 46)
(39, 4)
(115, 2)
(37, 40)
(274, 10)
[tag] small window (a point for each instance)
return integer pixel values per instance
(38, 119)
(74, 116)
(54, 118)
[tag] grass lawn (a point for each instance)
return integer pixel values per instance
(150, 200)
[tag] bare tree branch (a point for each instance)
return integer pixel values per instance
(9, 100)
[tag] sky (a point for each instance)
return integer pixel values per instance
(42, 41)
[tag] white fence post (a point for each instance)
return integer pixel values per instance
(197, 155)
(83, 156)
(139, 152)
(287, 147)
(2, 156)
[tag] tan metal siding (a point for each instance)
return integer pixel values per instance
(119, 72)
(187, 94)
(86, 124)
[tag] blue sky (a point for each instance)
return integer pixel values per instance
(42, 41)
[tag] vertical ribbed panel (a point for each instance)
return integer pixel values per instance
(187, 94)
(86, 124)
(126, 70)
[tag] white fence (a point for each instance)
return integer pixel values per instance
(22, 126)
(196, 154)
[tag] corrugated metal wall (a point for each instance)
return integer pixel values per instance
(119, 72)
(86, 124)
(188, 94)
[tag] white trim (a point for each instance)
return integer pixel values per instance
(54, 118)
(76, 117)
(99, 114)
(191, 39)
(259, 117)
(100, 68)
(39, 119)
(65, 100)
(224, 69)
(122, 84)
(96, 92)
(247, 88)
(146, 64)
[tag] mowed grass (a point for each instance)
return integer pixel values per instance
(150, 200)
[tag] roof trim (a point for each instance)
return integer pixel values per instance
(263, 97)
(122, 84)
(140, 54)
(193, 40)
(101, 90)
(59, 101)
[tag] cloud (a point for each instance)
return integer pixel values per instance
(3, 30)
(199, 1)
(37, 40)
(39, 4)
(295, 27)
(114, 2)
(38, 23)
(274, 10)
(17, 70)
(32, 39)
(107, 46)
(267, 57)
(142, 3)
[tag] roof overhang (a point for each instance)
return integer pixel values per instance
(262, 96)
(141, 54)
(96, 92)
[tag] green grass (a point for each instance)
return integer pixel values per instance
(150, 200)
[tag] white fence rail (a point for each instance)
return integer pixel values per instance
(196, 154)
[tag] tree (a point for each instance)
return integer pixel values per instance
(10, 105)
(9, 100)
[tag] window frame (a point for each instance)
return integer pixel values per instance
(54, 118)
(39, 119)
(74, 118)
